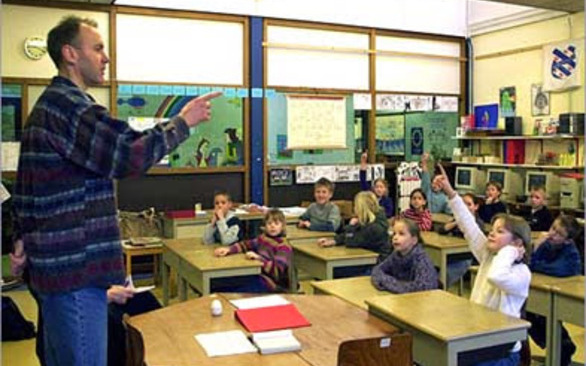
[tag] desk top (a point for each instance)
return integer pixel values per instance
(436, 240)
(179, 245)
(169, 332)
(295, 233)
(443, 315)
(354, 290)
(204, 260)
(441, 218)
(332, 253)
(540, 281)
(573, 287)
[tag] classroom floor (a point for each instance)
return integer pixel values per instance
(22, 353)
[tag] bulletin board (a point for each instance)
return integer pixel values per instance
(277, 136)
(430, 132)
(215, 143)
(316, 122)
(390, 133)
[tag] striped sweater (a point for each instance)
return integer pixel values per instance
(275, 253)
(422, 218)
(64, 200)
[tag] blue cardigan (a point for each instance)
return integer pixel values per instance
(558, 260)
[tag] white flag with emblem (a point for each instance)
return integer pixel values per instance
(561, 65)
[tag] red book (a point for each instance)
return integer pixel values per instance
(271, 318)
(180, 214)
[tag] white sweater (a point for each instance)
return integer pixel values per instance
(500, 284)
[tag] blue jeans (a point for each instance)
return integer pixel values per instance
(514, 359)
(75, 327)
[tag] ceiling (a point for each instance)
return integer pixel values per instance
(570, 6)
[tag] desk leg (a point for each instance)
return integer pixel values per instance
(182, 288)
(156, 268)
(165, 277)
(444, 271)
(128, 264)
(552, 328)
(329, 271)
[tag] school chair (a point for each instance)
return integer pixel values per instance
(134, 344)
(391, 350)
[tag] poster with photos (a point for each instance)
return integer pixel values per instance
(540, 101)
(508, 101)
(281, 177)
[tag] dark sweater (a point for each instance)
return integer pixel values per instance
(385, 201)
(488, 211)
(410, 273)
(558, 260)
(373, 236)
(540, 220)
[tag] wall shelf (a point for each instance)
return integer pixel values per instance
(528, 137)
(523, 166)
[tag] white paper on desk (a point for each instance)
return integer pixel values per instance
(232, 342)
(259, 302)
(293, 211)
(138, 290)
(240, 211)
(276, 341)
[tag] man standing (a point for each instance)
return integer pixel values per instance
(64, 196)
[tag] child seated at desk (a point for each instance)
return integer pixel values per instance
(380, 187)
(321, 215)
(457, 267)
(408, 268)
(224, 226)
(540, 218)
(556, 255)
(272, 249)
(368, 229)
(503, 276)
(436, 198)
(492, 203)
(418, 210)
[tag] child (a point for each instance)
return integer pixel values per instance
(492, 204)
(224, 226)
(408, 268)
(270, 248)
(418, 211)
(380, 188)
(503, 277)
(321, 215)
(457, 267)
(368, 230)
(540, 218)
(436, 198)
(556, 255)
(473, 204)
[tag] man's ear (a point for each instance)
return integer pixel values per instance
(69, 54)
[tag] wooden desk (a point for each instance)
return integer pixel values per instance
(441, 218)
(440, 247)
(168, 333)
(193, 227)
(320, 262)
(443, 324)
(196, 264)
(295, 234)
(568, 306)
(130, 251)
(354, 290)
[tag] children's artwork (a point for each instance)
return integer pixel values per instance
(486, 117)
(281, 177)
(431, 132)
(362, 101)
(508, 98)
(418, 103)
(540, 101)
(445, 104)
(215, 143)
(417, 141)
(390, 102)
(347, 173)
(282, 151)
(390, 134)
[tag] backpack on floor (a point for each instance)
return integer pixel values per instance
(14, 326)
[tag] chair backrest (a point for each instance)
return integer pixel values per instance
(391, 350)
(134, 345)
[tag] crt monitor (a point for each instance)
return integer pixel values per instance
(547, 180)
(510, 181)
(469, 179)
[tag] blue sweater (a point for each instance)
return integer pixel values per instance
(558, 260)
(436, 201)
(385, 201)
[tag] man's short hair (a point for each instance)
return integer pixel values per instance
(65, 32)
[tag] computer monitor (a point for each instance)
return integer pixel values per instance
(510, 180)
(547, 180)
(469, 179)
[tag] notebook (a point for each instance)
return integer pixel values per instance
(271, 318)
(276, 342)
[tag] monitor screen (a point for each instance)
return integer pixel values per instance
(497, 177)
(464, 177)
(536, 180)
